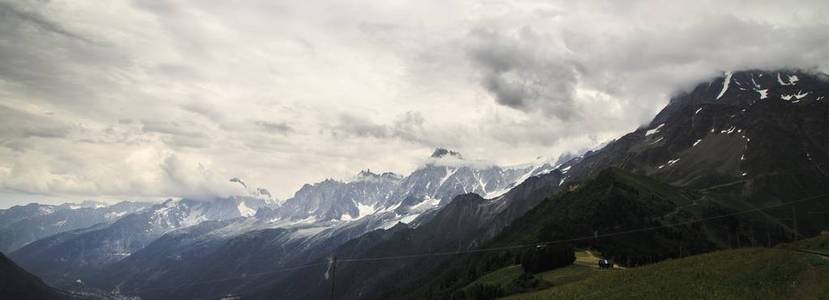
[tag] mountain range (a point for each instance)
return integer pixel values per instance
(742, 141)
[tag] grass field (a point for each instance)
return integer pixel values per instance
(819, 244)
(585, 266)
(753, 273)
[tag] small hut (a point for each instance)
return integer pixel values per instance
(605, 264)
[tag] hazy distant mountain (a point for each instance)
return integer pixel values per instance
(20, 225)
(73, 255)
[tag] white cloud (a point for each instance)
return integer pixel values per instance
(143, 99)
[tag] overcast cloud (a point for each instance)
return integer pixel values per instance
(129, 100)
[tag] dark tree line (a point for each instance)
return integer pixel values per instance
(545, 258)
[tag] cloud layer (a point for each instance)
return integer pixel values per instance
(154, 99)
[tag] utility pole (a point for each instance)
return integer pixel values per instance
(333, 276)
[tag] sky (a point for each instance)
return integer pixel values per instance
(145, 100)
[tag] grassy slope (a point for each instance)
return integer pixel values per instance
(616, 201)
(819, 244)
(586, 265)
(752, 273)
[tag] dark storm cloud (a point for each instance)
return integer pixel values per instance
(540, 62)
(521, 75)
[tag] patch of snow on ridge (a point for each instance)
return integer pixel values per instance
(729, 130)
(426, 204)
(363, 210)
(725, 84)
(655, 130)
(244, 210)
(45, 210)
(481, 184)
(799, 95)
(449, 173)
(697, 142)
(408, 219)
(763, 93)
(195, 217)
(115, 215)
(792, 80)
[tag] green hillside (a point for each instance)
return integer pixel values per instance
(614, 207)
(751, 273)
(817, 244)
(508, 279)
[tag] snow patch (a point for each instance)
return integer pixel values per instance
(792, 80)
(195, 217)
(426, 204)
(698, 110)
(363, 211)
(729, 130)
(408, 219)
(725, 84)
(244, 210)
(115, 215)
(449, 173)
(763, 93)
(799, 95)
(655, 130)
(697, 142)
